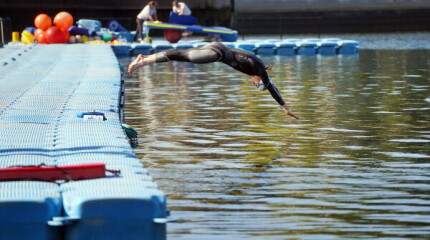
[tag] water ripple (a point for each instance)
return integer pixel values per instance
(234, 166)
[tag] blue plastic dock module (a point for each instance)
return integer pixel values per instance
(348, 47)
(286, 48)
(250, 47)
(265, 49)
(26, 209)
(61, 106)
(328, 48)
(307, 48)
(162, 47)
(114, 213)
(121, 49)
(144, 49)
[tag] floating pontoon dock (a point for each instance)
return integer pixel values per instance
(283, 47)
(45, 89)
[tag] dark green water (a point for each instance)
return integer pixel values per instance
(234, 166)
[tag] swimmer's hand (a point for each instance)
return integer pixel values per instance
(137, 63)
(288, 111)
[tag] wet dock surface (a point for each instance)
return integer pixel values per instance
(47, 93)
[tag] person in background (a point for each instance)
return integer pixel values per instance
(181, 8)
(148, 13)
(238, 59)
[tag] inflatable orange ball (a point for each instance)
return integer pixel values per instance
(63, 21)
(173, 36)
(40, 38)
(37, 32)
(54, 35)
(43, 21)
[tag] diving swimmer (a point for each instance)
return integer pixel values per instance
(238, 59)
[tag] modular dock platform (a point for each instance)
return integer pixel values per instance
(284, 47)
(44, 91)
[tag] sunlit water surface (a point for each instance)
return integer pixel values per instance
(234, 166)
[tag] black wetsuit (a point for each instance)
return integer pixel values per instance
(238, 59)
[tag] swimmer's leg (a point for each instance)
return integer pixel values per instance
(140, 61)
(192, 55)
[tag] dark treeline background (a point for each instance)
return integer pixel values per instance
(246, 16)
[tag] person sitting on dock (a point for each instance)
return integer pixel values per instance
(181, 8)
(148, 13)
(238, 59)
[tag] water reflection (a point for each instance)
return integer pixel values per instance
(234, 166)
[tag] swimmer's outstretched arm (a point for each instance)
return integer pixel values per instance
(140, 61)
(288, 111)
(274, 92)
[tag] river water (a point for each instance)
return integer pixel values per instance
(234, 166)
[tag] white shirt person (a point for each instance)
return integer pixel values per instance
(148, 12)
(181, 8)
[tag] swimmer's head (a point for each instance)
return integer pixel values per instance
(256, 80)
(260, 87)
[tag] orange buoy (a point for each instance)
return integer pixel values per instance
(42, 21)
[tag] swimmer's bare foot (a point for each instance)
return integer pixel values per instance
(137, 63)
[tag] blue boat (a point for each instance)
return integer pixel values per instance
(185, 23)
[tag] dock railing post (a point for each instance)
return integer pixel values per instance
(1, 32)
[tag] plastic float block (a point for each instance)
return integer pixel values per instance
(26, 209)
(112, 213)
(162, 47)
(348, 47)
(144, 49)
(307, 48)
(121, 49)
(328, 48)
(250, 47)
(265, 49)
(286, 48)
